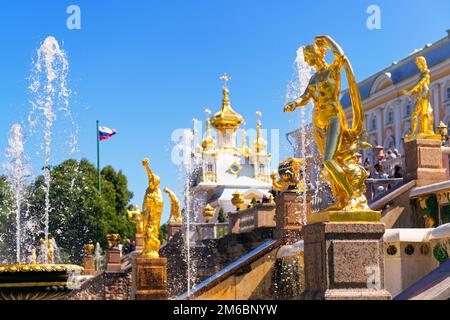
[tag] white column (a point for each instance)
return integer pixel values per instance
(398, 123)
(379, 126)
(435, 103)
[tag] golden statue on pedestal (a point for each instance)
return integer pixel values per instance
(291, 175)
(152, 211)
(422, 117)
(336, 141)
(175, 212)
(137, 217)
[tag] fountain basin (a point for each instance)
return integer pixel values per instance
(37, 281)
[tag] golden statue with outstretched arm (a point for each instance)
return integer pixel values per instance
(152, 210)
(422, 116)
(175, 213)
(137, 217)
(336, 141)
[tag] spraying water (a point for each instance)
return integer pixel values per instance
(17, 171)
(50, 95)
(297, 86)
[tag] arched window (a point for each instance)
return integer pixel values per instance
(374, 123)
(390, 117)
(408, 110)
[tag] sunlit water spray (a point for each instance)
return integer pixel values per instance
(49, 98)
(17, 171)
(189, 165)
(296, 87)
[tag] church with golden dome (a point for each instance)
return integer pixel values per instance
(227, 164)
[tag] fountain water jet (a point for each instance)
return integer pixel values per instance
(296, 87)
(49, 89)
(17, 171)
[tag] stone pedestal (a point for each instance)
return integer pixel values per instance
(423, 162)
(113, 260)
(139, 242)
(289, 215)
(344, 261)
(151, 279)
(173, 229)
(89, 266)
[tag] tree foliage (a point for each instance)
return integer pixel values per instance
(79, 213)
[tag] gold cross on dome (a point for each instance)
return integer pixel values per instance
(225, 78)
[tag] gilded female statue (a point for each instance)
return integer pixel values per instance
(336, 142)
(152, 211)
(175, 212)
(136, 216)
(423, 113)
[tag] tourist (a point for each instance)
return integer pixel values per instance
(379, 173)
(398, 172)
(390, 155)
(397, 153)
(367, 164)
(127, 247)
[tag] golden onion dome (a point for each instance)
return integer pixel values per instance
(226, 118)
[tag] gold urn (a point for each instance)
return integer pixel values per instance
(237, 200)
(208, 212)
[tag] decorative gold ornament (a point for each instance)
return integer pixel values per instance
(113, 240)
(422, 124)
(152, 211)
(237, 200)
(208, 212)
(245, 150)
(50, 249)
(291, 174)
(336, 142)
(208, 143)
(259, 145)
(235, 168)
(442, 130)
(89, 249)
(175, 212)
(226, 118)
(137, 218)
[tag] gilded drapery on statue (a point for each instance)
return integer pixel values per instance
(422, 124)
(337, 142)
(175, 212)
(152, 211)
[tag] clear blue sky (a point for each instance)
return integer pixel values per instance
(146, 68)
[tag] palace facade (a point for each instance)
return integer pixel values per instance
(387, 111)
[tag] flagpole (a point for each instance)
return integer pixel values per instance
(98, 161)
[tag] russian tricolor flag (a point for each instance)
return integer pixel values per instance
(105, 133)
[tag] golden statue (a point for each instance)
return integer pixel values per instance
(113, 240)
(337, 142)
(152, 210)
(50, 249)
(291, 175)
(422, 117)
(89, 249)
(175, 212)
(136, 216)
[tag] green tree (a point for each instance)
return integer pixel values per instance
(79, 213)
(6, 220)
(221, 217)
(163, 233)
